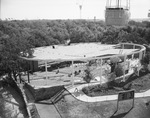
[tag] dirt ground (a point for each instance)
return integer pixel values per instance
(70, 107)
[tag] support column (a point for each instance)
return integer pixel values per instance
(125, 56)
(46, 69)
(101, 71)
(122, 46)
(132, 56)
(139, 64)
(144, 52)
(28, 72)
(133, 46)
(28, 76)
(140, 55)
(72, 73)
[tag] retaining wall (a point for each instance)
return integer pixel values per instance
(43, 93)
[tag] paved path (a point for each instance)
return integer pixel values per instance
(47, 110)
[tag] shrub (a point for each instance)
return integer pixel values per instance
(88, 76)
(148, 67)
(146, 59)
(111, 76)
(114, 60)
(146, 62)
(119, 70)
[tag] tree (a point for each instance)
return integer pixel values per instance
(110, 35)
(147, 35)
(12, 42)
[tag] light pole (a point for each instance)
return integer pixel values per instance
(0, 10)
(80, 3)
(80, 7)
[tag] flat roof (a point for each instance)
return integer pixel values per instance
(78, 51)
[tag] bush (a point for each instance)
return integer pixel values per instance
(146, 62)
(119, 70)
(114, 60)
(146, 59)
(111, 76)
(88, 76)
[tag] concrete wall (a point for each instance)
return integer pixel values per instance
(43, 93)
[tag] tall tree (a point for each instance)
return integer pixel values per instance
(13, 45)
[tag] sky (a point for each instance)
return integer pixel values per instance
(65, 9)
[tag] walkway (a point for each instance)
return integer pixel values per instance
(83, 97)
(47, 110)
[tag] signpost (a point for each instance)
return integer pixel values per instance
(126, 95)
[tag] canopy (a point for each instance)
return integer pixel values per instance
(81, 51)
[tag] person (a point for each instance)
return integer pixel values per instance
(68, 42)
(53, 47)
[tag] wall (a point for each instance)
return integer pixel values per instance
(43, 93)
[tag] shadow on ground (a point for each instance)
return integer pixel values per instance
(121, 115)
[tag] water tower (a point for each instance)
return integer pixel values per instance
(117, 12)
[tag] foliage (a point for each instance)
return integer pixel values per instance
(114, 59)
(13, 42)
(88, 75)
(145, 61)
(50, 32)
(119, 69)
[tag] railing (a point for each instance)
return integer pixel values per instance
(117, 8)
(138, 54)
(122, 46)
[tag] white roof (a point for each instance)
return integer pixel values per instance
(79, 51)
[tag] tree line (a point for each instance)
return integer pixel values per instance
(18, 37)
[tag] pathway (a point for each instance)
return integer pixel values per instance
(47, 110)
